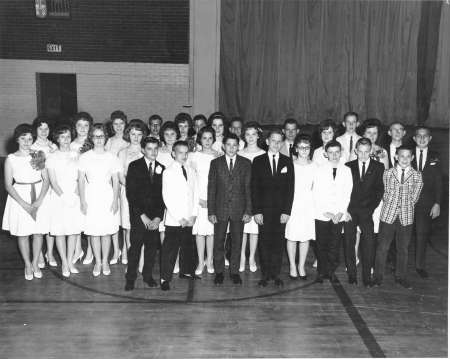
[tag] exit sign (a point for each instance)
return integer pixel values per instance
(54, 48)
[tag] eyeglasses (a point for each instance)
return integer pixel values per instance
(101, 137)
(303, 148)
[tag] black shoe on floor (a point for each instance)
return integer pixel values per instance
(129, 285)
(165, 286)
(422, 272)
(278, 282)
(352, 280)
(376, 282)
(219, 278)
(333, 278)
(319, 279)
(302, 277)
(291, 277)
(403, 282)
(151, 283)
(184, 276)
(368, 284)
(196, 277)
(236, 278)
(262, 283)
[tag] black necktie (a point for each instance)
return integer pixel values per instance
(403, 176)
(274, 166)
(231, 165)
(334, 173)
(351, 144)
(150, 171)
(290, 150)
(421, 161)
(363, 172)
(184, 172)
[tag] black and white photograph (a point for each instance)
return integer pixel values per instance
(224, 178)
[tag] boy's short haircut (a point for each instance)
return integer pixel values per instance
(333, 143)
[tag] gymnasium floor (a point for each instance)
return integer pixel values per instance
(83, 317)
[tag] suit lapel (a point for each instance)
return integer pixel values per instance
(394, 170)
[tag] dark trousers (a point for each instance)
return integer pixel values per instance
(177, 239)
(220, 232)
(422, 226)
(402, 235)
(366, 246)
(139, 236)
(328, 236)
(270, 246)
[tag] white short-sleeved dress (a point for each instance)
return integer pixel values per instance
(15, 219)
(115, 145)
(251, 227)
(66, 218)
(200, 163)
(166, 159)
(129, 157)
(98, 167)
(301, 224)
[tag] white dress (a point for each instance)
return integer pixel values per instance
(251, 227)
(166, 159)
(66, 218)
(217, 146)
(200, 163)
(301, 224)
(75, 146)
(124, 207)
(15, 219)
(114, 145)
(98, 167)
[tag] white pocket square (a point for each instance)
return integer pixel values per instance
(283, 170)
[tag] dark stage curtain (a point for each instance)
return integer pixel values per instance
(316, 59)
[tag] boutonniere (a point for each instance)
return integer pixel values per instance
(434, 161)
(283, 170)
(158, 170)
(37, 160)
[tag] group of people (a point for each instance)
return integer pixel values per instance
(185, 187)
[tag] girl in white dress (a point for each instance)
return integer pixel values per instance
(26, 182)
(301, 225)
(98, 182)
(66, 219)
(203, 229)
(252, 134)
(217, 122)
(116, 143)
(82, 122)
(135, 131)
(41, 127)
(170, 133)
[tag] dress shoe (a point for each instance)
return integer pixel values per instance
(315, 264)
(129, 285)
(422, 272)
(403, 282)
(165, 286)
(74, 270)
(184, 276)
(106, 270)
(278, 282)
(51, 262)
(227, 263)
(303, 277)
(368, 284)
(376, 282)
(37, 274)
(41, 265)
(333, 278)
(253, 267)
(96, 270)
(319, 279)
(115, 260)
(28, 276)
(242, 267)
(210, 267)
(199, 269)
(76, 258)
(88, 260)
(293, 277)
(124, 260)
(196, 277)
(352, 280)
(151, 283)
(262, 283)
(293, 274)
(176, 268)
(219, 278)
(236, 278)
(66, 273)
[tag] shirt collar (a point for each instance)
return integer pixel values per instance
(228, 157)
(147, 161)
(270, 154)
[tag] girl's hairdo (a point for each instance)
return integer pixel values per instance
(169, 125)
(301, 138)
(23, 129)
(59, 130)
(98, 126)
(199, 117)
(325, 124)
(206, 129)
(84, 116)
(135, 124)
(253, 125)
(38, 121)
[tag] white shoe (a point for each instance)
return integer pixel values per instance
(357, 260)
(37, 274)
(41, 261)
(124, 260)
(96, 271)
(66, 273)
(106, 271)
(73, 270)
(253, 267)
(176, 269)
(199, 269)
(41, 265)
(227, 263)
(89, 260)
(116, 260)
(51, 263)
(315, 264)
(28, 276)
(210, 268)
(242, 267)
(76, 259)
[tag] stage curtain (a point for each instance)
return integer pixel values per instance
(317, 59)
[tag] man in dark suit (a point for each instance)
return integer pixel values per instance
(367, 193)
(272, 196)
(144, 194)
(429, 205)
(229, 201)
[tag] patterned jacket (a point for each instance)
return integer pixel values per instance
(399, 199)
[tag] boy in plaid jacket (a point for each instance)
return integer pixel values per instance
(402, 186)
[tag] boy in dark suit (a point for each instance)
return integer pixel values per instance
(367, 193)
(144, 194)
(429, 205)
(272, 197)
